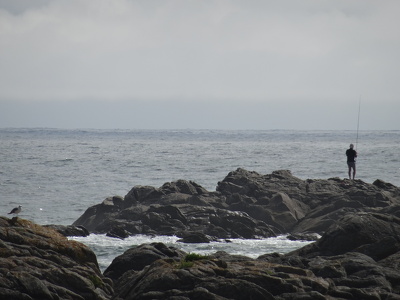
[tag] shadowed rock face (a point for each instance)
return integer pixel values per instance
(374, 234)
(39, 263)
(245, 205)
(135, 259)
(346, 263)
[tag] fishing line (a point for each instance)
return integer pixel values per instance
(358, 120)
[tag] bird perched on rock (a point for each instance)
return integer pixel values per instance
(15, 210)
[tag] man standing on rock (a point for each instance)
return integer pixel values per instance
(351, 160)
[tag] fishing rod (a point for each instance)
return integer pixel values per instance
(358, 120)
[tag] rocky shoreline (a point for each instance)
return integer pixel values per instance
(39, 263)
(245, 205)
(357, 256)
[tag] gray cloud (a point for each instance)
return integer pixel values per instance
(203, 52)
(21, 6)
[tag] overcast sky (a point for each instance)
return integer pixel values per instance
(220, 64)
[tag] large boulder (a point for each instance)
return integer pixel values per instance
(135, 259)
(219, 276)
(39, 263)
(374, 234)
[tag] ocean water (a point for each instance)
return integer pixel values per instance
(57, 174)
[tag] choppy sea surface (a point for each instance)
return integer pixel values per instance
(57, 174)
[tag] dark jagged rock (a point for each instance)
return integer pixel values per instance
(135, 259)
(245, 205)
(175, 207)
(118, 232)
(223, 276)
(69, 230)
(374, 234)
(359, 255)
(37, 262)
(194, 237)
(345, 263)
(305, 236)
(219, 277)
(356, 257)
(295, 205)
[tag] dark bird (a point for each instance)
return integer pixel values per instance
(15, 210)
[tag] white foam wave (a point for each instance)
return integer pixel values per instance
(107, 248)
